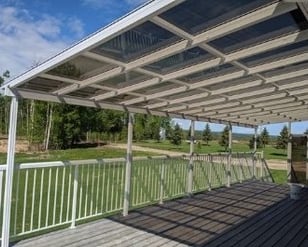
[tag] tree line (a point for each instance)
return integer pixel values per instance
(61, 126)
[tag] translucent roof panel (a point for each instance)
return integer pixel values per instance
(285, 51)
(180, 60)
(231, 83)
(137, 42)
(44, 85)
(286, 69)
(161, 87)
(124, 79)
(187, 57)
(209, 73)
(86, 92)
(81, 68)
(195, 16)
(266, 30)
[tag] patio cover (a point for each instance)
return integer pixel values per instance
(239, 62)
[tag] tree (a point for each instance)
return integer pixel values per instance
(176, 135)
(306, 132)
(282, 141)
(224, 139)
(264, 137)
(189, 133)
(252, 142)
(4, 106)
(207, 134)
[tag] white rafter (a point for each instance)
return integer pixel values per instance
(227, 95)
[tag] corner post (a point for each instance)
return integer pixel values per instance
(129, 158)
(289, 152)
(9, 173)
(254, 162)
(229, 156)
(191, 159)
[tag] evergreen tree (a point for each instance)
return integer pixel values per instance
(282, 141)
(264, 137)
(306, 132)
(224, 139)
(207, 134)
(176, 135)
(251, 143)
(189, 133)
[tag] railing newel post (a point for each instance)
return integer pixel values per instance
(210, 172)
(75, 194)
(162, 182)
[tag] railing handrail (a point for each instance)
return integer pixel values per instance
(44, 164)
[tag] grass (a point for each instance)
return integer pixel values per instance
(72, 154)
(280, 176)
(270, 152)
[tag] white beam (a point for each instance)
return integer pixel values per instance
(230, 76)
(245, 21)
(112, 106)
(10, 162)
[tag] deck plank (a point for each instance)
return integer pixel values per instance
(253, 213)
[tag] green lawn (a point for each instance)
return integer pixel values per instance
(280, 176)
(72, 154)
(270, 152)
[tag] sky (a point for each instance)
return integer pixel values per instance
(33, 30)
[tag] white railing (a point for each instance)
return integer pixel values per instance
(52, 194)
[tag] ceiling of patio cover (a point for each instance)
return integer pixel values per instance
(232, 61)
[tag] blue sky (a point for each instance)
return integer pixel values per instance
(33, 30)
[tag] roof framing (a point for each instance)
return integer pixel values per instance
(244, 96)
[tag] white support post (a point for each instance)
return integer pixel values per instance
(289, 152)
(9, 173)
(254, 153)
(129, 158)
(229, 156)
(191, 159)
(75, 194)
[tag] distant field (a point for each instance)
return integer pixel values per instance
(270, 152)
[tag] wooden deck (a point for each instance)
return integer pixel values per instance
(249, 214)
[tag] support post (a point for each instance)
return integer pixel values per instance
(75, 192)
(229, 156)
(9, 173)
(129, 158)
(289, 153)
(191, 159)
(254, 162)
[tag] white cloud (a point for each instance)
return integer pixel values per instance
(25, 40)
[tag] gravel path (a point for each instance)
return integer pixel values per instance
(273, 164)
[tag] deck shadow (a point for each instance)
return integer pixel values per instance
(253, 213)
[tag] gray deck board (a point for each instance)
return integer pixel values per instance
(249, 214)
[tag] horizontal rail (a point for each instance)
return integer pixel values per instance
(44, 164)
